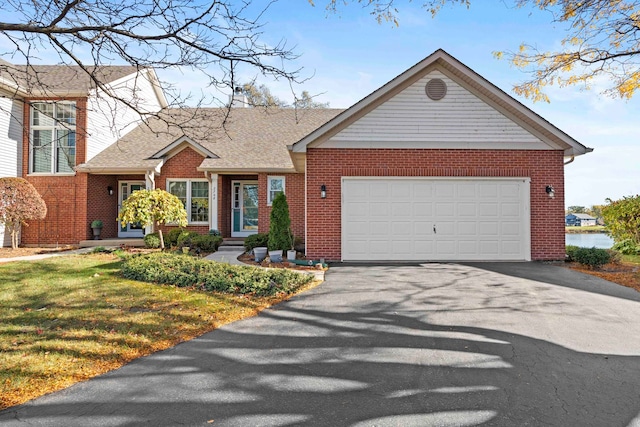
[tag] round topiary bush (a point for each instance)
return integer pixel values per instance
(592, 257)
(152, 241)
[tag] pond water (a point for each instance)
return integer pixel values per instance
(589, 240)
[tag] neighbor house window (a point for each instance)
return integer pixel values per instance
(194, 195)
(275, 185)
(53, 137)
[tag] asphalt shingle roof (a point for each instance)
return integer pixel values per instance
(40, 79)
(248, 138)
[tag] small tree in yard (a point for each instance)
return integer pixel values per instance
(280, 225)
(153, 207)
(19, 202)
(622, 219)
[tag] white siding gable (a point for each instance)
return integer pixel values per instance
(410, 119)
(10, 146)
(108, 120)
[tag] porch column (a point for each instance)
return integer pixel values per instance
(213, 204)
(150, 184)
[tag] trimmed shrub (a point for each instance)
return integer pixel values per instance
(152, 241)
(186, 238)
(571, 250)
(171, 239)
(206, 242)
(280, 236)
(627, 247)
(256, 241)
(592, 257)
(186, 271)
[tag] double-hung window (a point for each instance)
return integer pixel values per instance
(194, 195)
(53, 137)
(275, 185)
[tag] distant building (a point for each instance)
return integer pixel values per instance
(579, 220)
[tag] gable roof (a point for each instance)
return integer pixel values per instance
(240, 139)
(582, 216)
(465, 76)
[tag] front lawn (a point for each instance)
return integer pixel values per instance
(70, 318)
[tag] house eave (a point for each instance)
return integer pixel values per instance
(246, 171)
(103, 170)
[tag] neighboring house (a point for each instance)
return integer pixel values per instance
(53, 118)
(579, 220)
(437, 164)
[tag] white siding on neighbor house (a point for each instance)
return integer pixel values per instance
(109, 120)
(10, 145)
(411, 120)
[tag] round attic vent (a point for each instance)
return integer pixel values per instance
(436, 89)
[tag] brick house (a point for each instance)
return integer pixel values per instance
(437, 164)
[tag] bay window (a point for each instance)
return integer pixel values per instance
(53, 137)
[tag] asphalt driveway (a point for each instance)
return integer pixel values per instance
(512, 344)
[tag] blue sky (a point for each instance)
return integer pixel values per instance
(347, 55)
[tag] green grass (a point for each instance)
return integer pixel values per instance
(587, 229)
(68, 319)
(631, 259)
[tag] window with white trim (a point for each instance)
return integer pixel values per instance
(194, 195)
(275, 185)
(53, 137)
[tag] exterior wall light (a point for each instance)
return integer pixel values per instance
(323, 191)
(550, 191)
(110, 190)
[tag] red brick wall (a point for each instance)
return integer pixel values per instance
(183, 165)
(327, 166)
(65, 196)
(102, 206)
(294, 189)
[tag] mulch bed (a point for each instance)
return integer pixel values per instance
(621, 273)
(249, 259)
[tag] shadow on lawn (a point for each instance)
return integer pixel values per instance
(376, 360)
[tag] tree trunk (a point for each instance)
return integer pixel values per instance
(15, 232)
(161, 238)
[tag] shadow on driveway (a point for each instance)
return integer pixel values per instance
(374, 346)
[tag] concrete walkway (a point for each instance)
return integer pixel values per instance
(511, 344)
(228, 256)
(47, 255)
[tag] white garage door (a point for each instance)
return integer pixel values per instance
(435, 219)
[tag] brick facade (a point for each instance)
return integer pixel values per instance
(65, 195)
(294, 189)
(327, 166)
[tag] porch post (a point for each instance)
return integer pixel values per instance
(150, 184)
(213, 205)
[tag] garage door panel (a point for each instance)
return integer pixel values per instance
(445, 209)
(467, 228)
(474, 219)
(379, 228)
(401, 210)
(422, 209)
(467, 209)
(423, 228)
(377, 209)
(446, 248)
(400, 229)
(468, 247)
(488, 210)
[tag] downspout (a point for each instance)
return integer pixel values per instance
(570, 160)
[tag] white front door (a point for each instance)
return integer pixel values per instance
(431, 219)
(244, 208)
(125, 189)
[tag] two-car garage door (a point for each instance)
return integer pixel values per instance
(435, 219)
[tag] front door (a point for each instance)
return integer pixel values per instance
(244, 208)
(129, 230)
